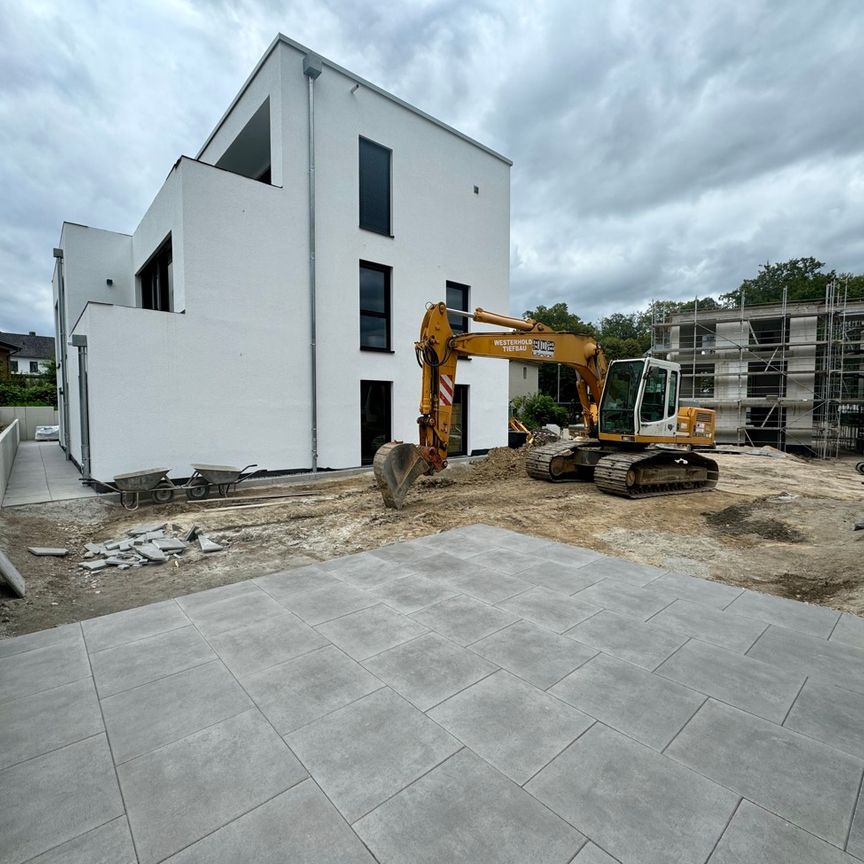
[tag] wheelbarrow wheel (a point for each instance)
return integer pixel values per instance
(164, 492)
(198, 490)
(860, 467)
(129, 500)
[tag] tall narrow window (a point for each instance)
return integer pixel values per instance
(374, 418)
(374, 307)
(457, 445)
(374, 187)
(157, 279)
(457, 298)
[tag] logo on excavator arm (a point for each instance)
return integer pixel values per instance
(543, 348)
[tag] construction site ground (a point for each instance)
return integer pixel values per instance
(775, 523)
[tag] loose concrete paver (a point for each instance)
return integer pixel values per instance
(51, 799)
(744, 682)
(465, 810)
(636, 803)
(293, 694)
(512, 725)
(299, 826)
(365, 753)
(627, 638)
(802, 617)
(756, 835)
(627, 698)
(429, 669)
(830, 714)
(802, 780)
(110, 843)
(154, 714)
(48, 720)
(181, 792)
(464, 619)
(194, 721)
(534, 653)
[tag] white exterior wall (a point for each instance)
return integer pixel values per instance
(800, 380)
(24, 362)
(524, 379)
(162, 384)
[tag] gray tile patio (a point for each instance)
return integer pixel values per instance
(41, 472)
(329, 714)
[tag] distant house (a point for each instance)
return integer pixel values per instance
(31, 354)
(6, 350)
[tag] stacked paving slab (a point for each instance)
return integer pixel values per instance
(476, 696)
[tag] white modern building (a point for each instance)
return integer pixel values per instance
(265, 308)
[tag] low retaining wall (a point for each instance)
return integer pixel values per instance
(29, 417)
(9, 439)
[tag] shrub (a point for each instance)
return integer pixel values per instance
(537, 410)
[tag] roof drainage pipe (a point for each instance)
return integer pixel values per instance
(312, 69)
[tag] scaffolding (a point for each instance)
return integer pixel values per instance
(789, 374)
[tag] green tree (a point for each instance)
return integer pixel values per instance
(802, 278)
(537, 410)
(558, 317)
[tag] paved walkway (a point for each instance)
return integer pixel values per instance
(416, 705)
(42, 473)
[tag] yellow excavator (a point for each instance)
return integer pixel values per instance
(638, 442)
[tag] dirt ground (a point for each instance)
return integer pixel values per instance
(775, 523)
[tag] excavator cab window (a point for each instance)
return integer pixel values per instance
(653, 407)
(620, 394)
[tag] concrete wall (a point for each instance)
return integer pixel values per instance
(29, 417)
(524, 379)
(9, 439)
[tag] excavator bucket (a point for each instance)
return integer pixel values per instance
(396, 467)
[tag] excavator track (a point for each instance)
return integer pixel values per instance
(552, 462)
(650, 473)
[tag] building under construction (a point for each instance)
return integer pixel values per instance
(786, 374)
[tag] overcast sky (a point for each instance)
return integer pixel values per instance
(661, 149)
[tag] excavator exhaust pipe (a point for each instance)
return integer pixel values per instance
(396, 466)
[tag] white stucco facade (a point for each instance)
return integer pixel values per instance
(225, 376)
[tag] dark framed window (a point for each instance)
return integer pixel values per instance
(13, 365)
(374, 187)
(374, 307)
(457, 298)
(157, 279)
(457, 444)
(34, 367)
(374, 418)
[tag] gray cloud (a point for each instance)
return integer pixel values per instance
(661, 149)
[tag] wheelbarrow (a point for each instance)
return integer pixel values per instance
(153, 481)
(223, 478)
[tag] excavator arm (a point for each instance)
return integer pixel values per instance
(397, 465)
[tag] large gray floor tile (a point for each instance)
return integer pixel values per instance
(465, 543)
(110, 843)
(370, 631)
(368, 751)
(802, 780)
(45, 721)
(464, 810)
(512, 725)
(323, 604)
(710, 625)
(301, 690)
(803, 617)
(488, 585)
(128, 666)
(830, 662)
(154, 714)
(43, 668)
(51, 799)
(621, 596)
(563, 553)
(550, 609)
(464, 619)
(289, 582)
(196, 603)
(411, 593)
(267, 642)
(534, 653)
(636, 803)
(627, 638)
(444, 567)
(506, 561)
(525, 543)
(299, 826)
(644, 706)
(855, 845)
(181, 792)
(696, 590)
(109, 631)
(407, 553)
(429, 669)
(591, 854)
(763, 838)
(849, 630)
(67, 634)
(624, 570)
(831, 715)
(564, 578)
(232, 612)
(365, 570)
(744, 682)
